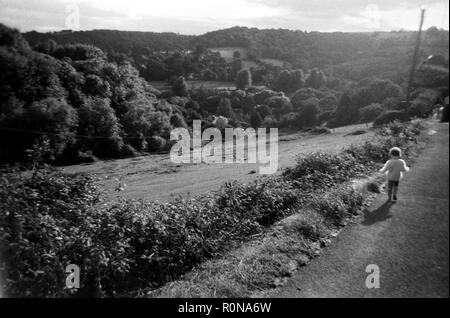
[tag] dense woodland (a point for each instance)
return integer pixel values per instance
(86, 95)
(349, 55)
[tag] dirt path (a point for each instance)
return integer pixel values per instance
(409, 240)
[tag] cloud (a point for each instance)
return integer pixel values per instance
(407, 17)
(200, 16)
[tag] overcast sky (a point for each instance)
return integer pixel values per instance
(200, 16)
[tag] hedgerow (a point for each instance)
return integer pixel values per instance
(49, 220)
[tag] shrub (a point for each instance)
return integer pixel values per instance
(49, 220)
(338, 204)
(319, 170)
(332, 207)
(156, 143)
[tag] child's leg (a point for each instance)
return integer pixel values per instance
(394, 191)
(390, 190)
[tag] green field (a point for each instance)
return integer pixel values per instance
(275, 62)
(155, 177)
(227, 52)
(163, 85)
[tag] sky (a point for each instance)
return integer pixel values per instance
(201, 16)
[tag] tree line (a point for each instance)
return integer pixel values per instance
(84, 103)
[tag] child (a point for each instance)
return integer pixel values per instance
(394, 168)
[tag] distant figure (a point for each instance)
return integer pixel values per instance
(394, 169)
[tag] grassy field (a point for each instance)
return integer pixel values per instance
(276, 62)
(163, 85)
(227, 52)
(155, 177)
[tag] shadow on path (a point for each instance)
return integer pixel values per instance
(379, 215)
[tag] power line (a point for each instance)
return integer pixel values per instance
(36, 132)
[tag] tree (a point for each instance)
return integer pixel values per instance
(79, 52)
(289, 81)
(236, 55)
(308, 115)
(243, 79)
(224, 108)
(279, 104)
(263, 110)
(370, 113)
(54, 118)
(155, 70)
(302, 95)
(236, 67)
(316, 79)
(328, 103)
(48, 46)
(346, 113)
(13, 38)
(99, 127)
(375, 91)
(96, 86)
(176, 120)
(192, 104)
(283, 82)
(255, 120)
(180, 87)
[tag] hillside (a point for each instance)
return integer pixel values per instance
(377, 52)
(120, 41)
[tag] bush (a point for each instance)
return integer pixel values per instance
(156, 143)
(49, 220)
(337, 205)
(319, 170)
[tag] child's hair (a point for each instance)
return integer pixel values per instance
(396, 152)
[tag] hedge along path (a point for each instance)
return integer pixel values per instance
(270, 258)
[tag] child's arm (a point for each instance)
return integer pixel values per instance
(405, 167)
(385, 168)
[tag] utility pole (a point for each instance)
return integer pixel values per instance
(415, 56)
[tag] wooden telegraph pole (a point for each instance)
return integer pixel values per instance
(415, 56)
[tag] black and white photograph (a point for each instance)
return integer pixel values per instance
(224, 156)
